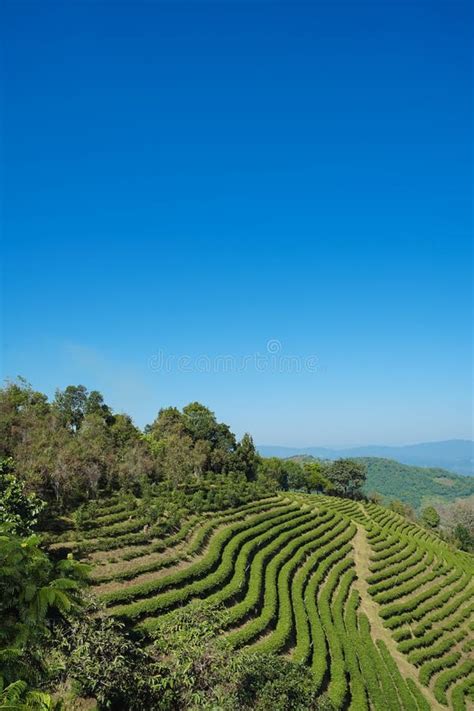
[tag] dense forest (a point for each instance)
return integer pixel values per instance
(132, 562)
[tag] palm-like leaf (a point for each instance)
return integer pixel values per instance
(38, 701)
(15, 697)
(64, 584)
(11, 694)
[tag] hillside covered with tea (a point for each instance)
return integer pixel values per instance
(176, 569)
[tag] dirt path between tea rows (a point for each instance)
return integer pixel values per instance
(370, 608)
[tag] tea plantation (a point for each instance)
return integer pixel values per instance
(379, 608)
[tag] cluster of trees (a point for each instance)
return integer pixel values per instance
(71, 449)
(189, 443)
(68, 450)
(343, 477)
(457, 519)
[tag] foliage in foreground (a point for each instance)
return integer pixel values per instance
(55, 643)
(187, 668)
(34, 593)
(204, 672)
(18, 509)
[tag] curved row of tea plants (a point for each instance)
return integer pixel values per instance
(425, 598)
(285, 570)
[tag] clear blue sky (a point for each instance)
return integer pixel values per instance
(197, 179)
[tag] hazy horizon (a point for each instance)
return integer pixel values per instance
(363, 444)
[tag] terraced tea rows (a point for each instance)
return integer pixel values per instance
(379, 608)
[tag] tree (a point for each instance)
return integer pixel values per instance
(134, 465)
(224, 438)
(71, 450)
(464, 538)
(246, 457)
(403, 509)
(170, 421)
(124, 432)
(375, 498)
(20, 407)
(75, 402)
(459, 513)
(82, 464)
(177, 459)
(44, 440)
(201, 423)
(430, 517)
(347, 476)
(295, 475)
(70, 404)
(315, 480)
(274, 470)
(213, 449)
(18, 509)
(95, 405)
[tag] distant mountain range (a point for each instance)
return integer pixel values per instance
(455, 455)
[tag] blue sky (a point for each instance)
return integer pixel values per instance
(196, 180)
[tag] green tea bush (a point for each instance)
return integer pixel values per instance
(448, 677)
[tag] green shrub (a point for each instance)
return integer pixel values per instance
(104, 663)
(418, 695)
(407, 700)
(433, 666)
(447, 677)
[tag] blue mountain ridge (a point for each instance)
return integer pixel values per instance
(455, 455)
